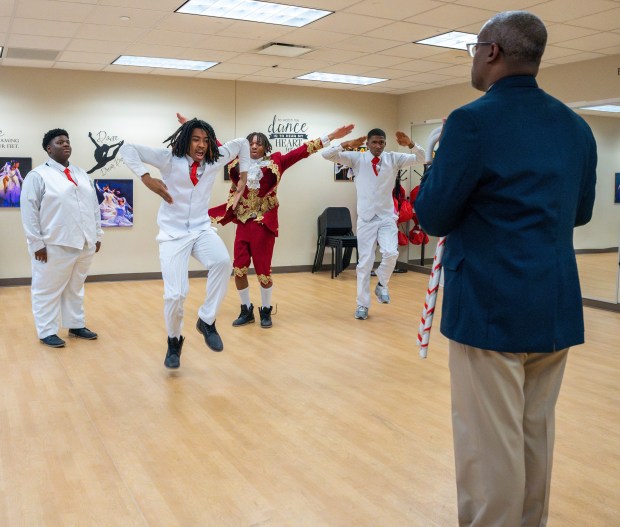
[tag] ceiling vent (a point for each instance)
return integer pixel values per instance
(31, 54)
(284, 50)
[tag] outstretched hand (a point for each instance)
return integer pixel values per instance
(157, 186)
(352, 144)
(181, 118)
(341, 132)
(404, 140)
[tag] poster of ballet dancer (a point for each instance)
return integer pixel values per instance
(342, 173)
(115, 198)
(13, 170)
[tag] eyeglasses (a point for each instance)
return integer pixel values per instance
(472, 47)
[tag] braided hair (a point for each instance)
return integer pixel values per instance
(180, 140)
(261, 139)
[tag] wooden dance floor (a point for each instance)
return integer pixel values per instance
(321, 421)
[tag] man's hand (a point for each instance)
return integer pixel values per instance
(403, 139)
(157, 186)
(352, 144)
(341, 132)
(97, 246)
(41, 255)
(181, 118)
(243, 179)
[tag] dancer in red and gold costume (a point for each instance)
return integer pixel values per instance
(257, 216)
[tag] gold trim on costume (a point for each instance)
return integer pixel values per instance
(314, 146)
(240, 271)
(253, 206)
(263, 278)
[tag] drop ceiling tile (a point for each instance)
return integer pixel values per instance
(22, 63)
(96, 46)
(301, 64)
(35, 42)
(351, 24)
(78, 66)
(253, 58)
(564, 10)
(239, 69)
(255, 30)
(113, 33)
(93, 58)
(367, 44)
(209, 74)
(553, 52)
(334, 55)
(428, 77)
(605, 21)
(313, 38)
(451, 16)
(614, 50)
(387, 73)
(558, 33)
(240, 45)
(171, 52)
(405, 32)
(421, 65)
(345, 69)
(280, 73)
(456, 71)
(111, 16)
(194, 24)
(262, 79)
(593, 42)
(53, 10)
(127, 69)
(172, 72)
(413, 51)
(5, 22)
(576, 58)
(379, 61)
(394, 9)
(47, 28)
(499, 5)
(6, 8)
(160, 5)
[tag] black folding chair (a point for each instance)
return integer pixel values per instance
(335, 230)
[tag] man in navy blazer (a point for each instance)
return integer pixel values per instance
(515, 172)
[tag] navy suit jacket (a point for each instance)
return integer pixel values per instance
(514, 173)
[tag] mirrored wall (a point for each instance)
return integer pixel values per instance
(596, 244)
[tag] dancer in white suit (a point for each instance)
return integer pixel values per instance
(61, 219)
(188, 171)
(375, 175)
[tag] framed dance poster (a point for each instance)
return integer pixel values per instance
(13, 170)
(342, 173)
(115, 198)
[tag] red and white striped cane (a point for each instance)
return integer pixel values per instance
(426, 322)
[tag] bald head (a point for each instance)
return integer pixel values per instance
(521, 35)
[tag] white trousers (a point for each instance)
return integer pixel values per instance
(503, 421)
(58, 288)
(209, 249)
(378, 230)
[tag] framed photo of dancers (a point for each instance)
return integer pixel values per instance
(617, 188)
(342, 173)
(13, 170)
(115, 198)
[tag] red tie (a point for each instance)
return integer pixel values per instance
(375, 161)
(68, 174)
(192, 174)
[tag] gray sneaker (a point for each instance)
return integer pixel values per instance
(361, 313)
(383, 294)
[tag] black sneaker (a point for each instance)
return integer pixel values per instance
(173, 355)
(265, 316)
(246, 316)
(83, 333)
(53, 341)
(212, 338)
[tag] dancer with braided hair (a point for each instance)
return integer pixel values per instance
(188, 170)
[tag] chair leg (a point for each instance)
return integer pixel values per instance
(320, 252)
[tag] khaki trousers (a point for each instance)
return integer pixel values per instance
(503, 420)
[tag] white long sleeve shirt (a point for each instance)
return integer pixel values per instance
(57, 212)
(189, 211)
(374, 192)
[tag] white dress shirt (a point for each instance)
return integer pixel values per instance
(57, 212)
(190, 210)
(374, 192)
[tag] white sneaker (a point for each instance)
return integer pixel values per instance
(383, 294)
(361, 313)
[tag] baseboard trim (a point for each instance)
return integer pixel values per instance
(595, 251)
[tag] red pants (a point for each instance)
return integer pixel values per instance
(253, 242)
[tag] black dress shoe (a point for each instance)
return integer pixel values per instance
(83, 333)
(246, 316)
(53, 341)
(265, 317)
(173, 355)
(212, 338)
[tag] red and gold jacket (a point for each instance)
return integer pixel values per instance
(261, 204)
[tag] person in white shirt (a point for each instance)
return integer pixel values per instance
(61, 219)
(375, 175)
(188, 170)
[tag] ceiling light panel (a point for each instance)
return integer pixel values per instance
(254, 11)
(453, 40)
(156, 62)
(335, 77)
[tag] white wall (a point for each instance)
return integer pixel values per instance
(141, 108)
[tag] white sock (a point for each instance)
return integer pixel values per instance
(265, 296)
(244, 294)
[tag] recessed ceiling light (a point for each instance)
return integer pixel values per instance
(155, 62)
(335, 77)
(453, 40)
(613, 108)
(254, 11)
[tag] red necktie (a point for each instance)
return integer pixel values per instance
(192, 174)
(68, 174)
(375, 161)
